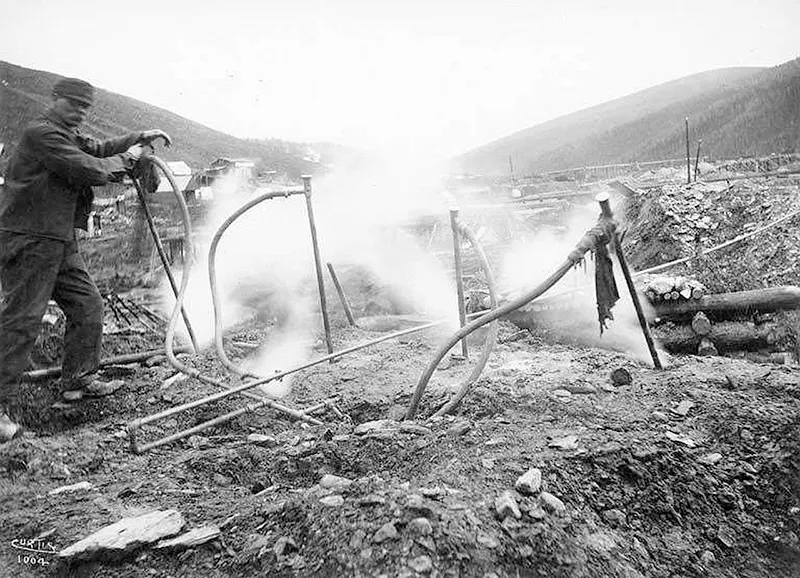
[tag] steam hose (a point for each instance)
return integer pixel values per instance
(491, 339)
(602, 231)
(176, 311)
(212, 276)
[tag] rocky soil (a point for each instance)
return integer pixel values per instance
(549, 468)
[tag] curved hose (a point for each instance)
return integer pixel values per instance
(602, 231)
(212, 276)
(176, 310)
(491, 339)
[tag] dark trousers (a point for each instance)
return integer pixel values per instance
(34, 270)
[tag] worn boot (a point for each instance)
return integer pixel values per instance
(75, 389)
(9, 429)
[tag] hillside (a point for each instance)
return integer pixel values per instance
(736, 111)
(24, 93)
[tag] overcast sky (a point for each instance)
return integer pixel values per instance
(431, 77)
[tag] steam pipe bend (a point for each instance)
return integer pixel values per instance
(602, 232)
(491, 339)
(173, 319)
(212, 275)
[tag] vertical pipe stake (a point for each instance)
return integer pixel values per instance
(342, 297)
(462, 313)
(317, 263)
(605, 207)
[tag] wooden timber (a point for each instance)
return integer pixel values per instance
(769, 299)
(724, 335)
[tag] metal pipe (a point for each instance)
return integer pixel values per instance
(317, 263)
(605, 208)
(261, 381)
(212, 273)
(47, 372)
(160, 248)
(173, 319)
(250, 407)
(459, 280)
(600, 232)
(342, 297)
(491, 339)
(688, 155)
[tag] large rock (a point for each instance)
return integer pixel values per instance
(126, 535)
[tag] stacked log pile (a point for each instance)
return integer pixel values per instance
(679, 288)
(722, 322)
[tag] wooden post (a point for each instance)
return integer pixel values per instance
(605, 208)
(688, 155)
(317, 263)
(342, 297)
(697, 160)
(159, 247)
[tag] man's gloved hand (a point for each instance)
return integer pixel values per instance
(149, 136)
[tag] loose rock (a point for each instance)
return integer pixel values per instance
(126, 535)
(191, 538)
(711, 458)
(80, 486)
(420, 527)
(621, 376)
(459, 429)
(552, 504)
(333, 501)
(614, 517)
(334, 482)
(386, 532)
(421, 564)
(707, 558)
(687, 441)
(379, 425)
(660, 416)
(284, 545)
(530, 482)
(262, 440)
(683, 408)
(505, 505)
(565, 443)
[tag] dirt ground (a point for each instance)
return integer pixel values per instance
(693, 470)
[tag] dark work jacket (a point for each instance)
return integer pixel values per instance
(48, 188)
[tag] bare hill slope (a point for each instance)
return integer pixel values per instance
(736, 111)
(25, 93)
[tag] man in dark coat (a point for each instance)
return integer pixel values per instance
(47, 195)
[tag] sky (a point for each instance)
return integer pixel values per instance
(427, 78)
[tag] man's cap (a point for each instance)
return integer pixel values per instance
(75, 89)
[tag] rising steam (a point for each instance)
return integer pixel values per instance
(265, 260)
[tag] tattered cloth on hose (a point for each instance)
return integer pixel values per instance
(596, 240)
(604, 284)
(145, 172)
